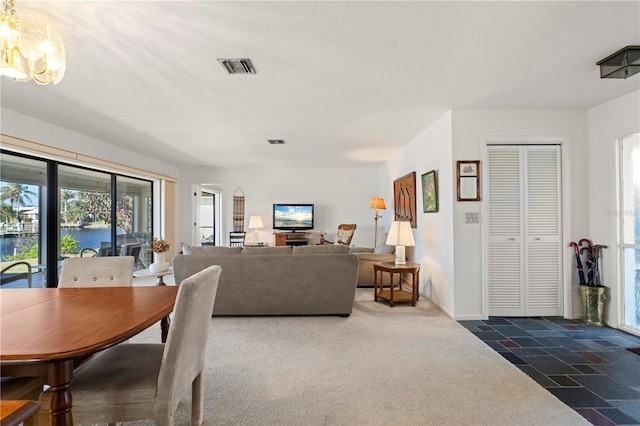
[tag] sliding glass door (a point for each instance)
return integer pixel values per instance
(85, 212)
(23, 186)
(630, 200)
(51, 211)
(134, 214)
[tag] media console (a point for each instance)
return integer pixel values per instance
(291, 238)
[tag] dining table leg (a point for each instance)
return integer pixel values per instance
(164, 327)
(60, 374)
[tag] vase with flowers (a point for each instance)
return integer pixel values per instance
(159, 247)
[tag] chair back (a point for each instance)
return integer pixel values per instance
(184, 352)
(236, 239)
(345, 233)
(112, 271)
(23, 273)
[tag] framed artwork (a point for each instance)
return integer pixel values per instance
(430, 192)
(404, 199)
(468, 180)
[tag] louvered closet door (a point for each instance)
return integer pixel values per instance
(524, 259)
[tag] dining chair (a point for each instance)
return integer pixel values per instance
(21, 389)
(344, 235)
(110, 271)
(142, 381)
(19, 412)
(24, 268)
(236, 239)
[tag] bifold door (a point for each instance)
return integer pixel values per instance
(524, 226)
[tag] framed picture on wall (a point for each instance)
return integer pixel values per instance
(468, 180)
(404, 199)
(430, 192)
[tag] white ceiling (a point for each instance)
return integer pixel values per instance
(346, 84)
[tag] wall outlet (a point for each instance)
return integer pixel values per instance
(472, 217)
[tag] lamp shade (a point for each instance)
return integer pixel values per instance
(255, 222)
(400, 234)
(377, 203)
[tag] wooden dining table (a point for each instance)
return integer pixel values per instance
(54, 327)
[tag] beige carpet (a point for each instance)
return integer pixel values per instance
(381, 366)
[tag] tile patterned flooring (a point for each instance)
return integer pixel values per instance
(587, 367)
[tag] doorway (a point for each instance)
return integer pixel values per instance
(206, 225)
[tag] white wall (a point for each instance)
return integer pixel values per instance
(31, 129)
(340, 195)
(469, 127)
(431, 150)
(607, 123)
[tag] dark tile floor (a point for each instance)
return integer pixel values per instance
(586, 367)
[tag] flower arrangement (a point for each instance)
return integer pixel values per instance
(158, 245)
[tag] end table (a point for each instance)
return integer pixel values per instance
(147, 273)
(395, 293)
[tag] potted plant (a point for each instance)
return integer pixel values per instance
(159, 247)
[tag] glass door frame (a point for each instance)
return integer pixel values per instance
(49, 223)
(622, 245)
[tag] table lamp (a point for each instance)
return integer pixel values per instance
(400, 235)
(378, 204)
(255, 222)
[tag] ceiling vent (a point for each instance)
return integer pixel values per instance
(238, 66)
(276, 141)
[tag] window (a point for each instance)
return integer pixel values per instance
(207, 218)
(91, 213)
(23, 185)
(630, 208)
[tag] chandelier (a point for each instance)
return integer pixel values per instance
(29, 49)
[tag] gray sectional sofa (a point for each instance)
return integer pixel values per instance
(298, 280)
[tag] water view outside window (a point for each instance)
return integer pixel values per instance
(22, 185)
(630, 168)
(85, 212)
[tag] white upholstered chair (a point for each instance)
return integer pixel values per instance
(108, 271)
(132, 381)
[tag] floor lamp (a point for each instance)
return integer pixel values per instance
(377, 204)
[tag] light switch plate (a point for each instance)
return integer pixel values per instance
(472, 217)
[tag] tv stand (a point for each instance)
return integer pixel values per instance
(295, 238)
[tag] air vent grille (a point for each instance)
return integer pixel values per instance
(237, 66)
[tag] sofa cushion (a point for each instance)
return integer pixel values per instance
(383, 248)
(211, 250)
(320, 249)
(267, 250)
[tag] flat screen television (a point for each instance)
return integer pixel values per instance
(292, 217)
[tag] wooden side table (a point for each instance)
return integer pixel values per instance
(394, 294)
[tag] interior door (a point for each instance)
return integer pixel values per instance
(524, 249)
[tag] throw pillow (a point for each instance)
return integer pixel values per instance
(343, 236)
